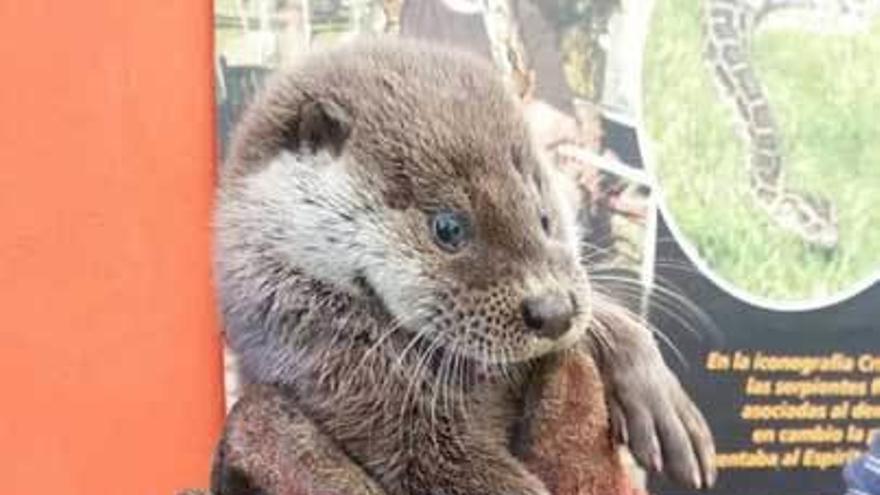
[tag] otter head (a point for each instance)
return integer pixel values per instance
(405, 173)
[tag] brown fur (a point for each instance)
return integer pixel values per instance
(564, 438)
(404, 366)
(565, 433)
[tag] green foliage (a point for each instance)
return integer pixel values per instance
(823, 91)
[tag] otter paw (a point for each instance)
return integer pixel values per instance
(652, 414)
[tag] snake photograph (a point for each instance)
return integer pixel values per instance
(760, 118)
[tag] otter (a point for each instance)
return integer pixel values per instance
(392, 253)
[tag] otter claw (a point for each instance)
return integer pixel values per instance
(662, 427)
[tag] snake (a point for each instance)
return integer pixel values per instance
(728, 30)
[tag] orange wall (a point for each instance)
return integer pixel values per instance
(109, 359)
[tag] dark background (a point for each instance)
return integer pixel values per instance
(848, 327)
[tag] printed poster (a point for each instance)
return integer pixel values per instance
(727, 156)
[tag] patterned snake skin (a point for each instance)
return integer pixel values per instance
(728, 26)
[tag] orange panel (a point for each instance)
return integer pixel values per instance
(109, 357)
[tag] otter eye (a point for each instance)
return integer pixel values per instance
(451, 230)
(545, 222)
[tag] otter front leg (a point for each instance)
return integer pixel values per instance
(649, 408)
(269, 447)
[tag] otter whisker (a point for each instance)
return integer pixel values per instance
(659, 290)
(427, 326)
(411, 378)
(667, 290)
(676, 265)
(390, 380)
(421, 368)
(413, 341)
(454, 398)
(500, 360)
(443, 380)
(396, 325)
(440, 382)
(599, 332)
(659, 304)
(668, 301)
(613, 316)
(590, 253)
(655, 290)
(598, 328)
(435, 346)
(460, 370)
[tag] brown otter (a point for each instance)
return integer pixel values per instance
(392, 252)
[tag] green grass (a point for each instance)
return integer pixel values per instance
(824, 90)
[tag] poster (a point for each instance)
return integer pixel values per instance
(727, 156)
(756, 121)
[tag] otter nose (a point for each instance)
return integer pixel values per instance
(548, 315)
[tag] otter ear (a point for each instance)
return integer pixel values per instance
(323, 124)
